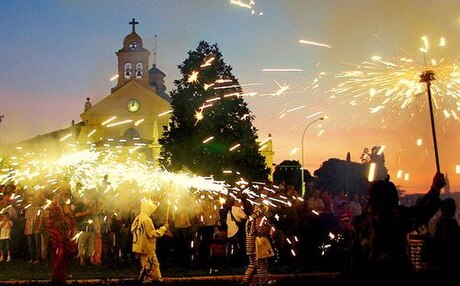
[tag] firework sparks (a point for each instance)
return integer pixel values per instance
(263, 147)
(193, 77)
(294, 151)
(138, 122)
(109, 120)
(394, 84)
(241, 3)
(314, 114)
(199, 116)
(282, 70)
(164, 113)
(65, 137)
(381, 149)
(91, 133)
(234, 147)
(371, 176)
(119, 123)
(208, 139)
(208, 62)
(314, 44)
(130, 180)
(406, 177)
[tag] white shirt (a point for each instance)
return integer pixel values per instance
(239, 215)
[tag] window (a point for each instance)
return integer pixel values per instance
(127, 71)
(131, 133)
(139, 70)
(132, 45)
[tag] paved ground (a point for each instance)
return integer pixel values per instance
(224, 280)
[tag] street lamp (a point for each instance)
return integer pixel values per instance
(302, 167)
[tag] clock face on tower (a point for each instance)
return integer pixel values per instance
(133, 105)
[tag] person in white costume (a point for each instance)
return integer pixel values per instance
(144, 241)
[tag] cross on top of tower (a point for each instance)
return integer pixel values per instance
(134, 23)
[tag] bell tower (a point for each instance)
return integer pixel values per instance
(132, 59)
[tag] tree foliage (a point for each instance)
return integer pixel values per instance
(289, 171)
(209, 89)
(351, 177)
(376, 156)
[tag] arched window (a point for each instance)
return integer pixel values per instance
(128, 70)
(132, 45)
(139, 70)
(132, 133)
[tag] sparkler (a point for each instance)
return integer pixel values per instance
(130, 180)
(427, 77)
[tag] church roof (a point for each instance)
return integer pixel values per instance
(154, 71)
(54, 135)
(133, 38)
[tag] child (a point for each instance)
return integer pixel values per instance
(5, 237)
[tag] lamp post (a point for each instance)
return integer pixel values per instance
(302, 167)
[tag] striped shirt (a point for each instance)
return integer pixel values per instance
(255, 227)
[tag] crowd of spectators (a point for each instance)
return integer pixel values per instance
(316, 233)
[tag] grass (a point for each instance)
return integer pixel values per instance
(21, 270)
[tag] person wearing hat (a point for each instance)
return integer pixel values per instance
(144, 241)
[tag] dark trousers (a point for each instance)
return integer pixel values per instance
(34, 244)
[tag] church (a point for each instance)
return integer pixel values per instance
(131, 119)
(133, 116)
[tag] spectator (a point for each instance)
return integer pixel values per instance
(84, 214)
(445, 252)
(32, 230)
(315, 203)
(62, 230)
(380, 242)
(236, 219)
(209, 219)
(5, 237)
(354, 207)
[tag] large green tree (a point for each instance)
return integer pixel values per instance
(207, 103)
